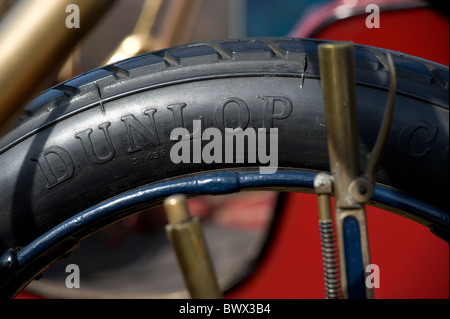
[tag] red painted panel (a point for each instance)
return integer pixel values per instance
(419, 32)
(413, 262)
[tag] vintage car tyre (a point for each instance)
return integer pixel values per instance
(107, 131)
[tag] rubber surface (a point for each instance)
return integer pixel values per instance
(108, 131)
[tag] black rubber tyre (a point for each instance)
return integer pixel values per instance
(107, 131)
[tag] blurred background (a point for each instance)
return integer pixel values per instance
(264, 244)
(181, 22)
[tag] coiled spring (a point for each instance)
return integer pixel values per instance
(330, 260)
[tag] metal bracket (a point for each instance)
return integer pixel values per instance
(351, 190)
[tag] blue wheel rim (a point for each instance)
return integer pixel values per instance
(215, 183)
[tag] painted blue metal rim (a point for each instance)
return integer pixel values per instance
(354, 265)
(209, 184)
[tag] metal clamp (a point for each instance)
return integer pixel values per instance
(351, 190)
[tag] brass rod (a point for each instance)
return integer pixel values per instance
(324, 207)
(323, 186)
(338, 84)
(34, 39)
(186, 237)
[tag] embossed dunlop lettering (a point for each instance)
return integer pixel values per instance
(56, 165)
(178, 118)
(88, 147)
(149, 134)
(141, 133)
(177, 111)
(284, 105)
(244, 113)
(410, 142)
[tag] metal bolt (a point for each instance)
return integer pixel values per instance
(362, 189)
